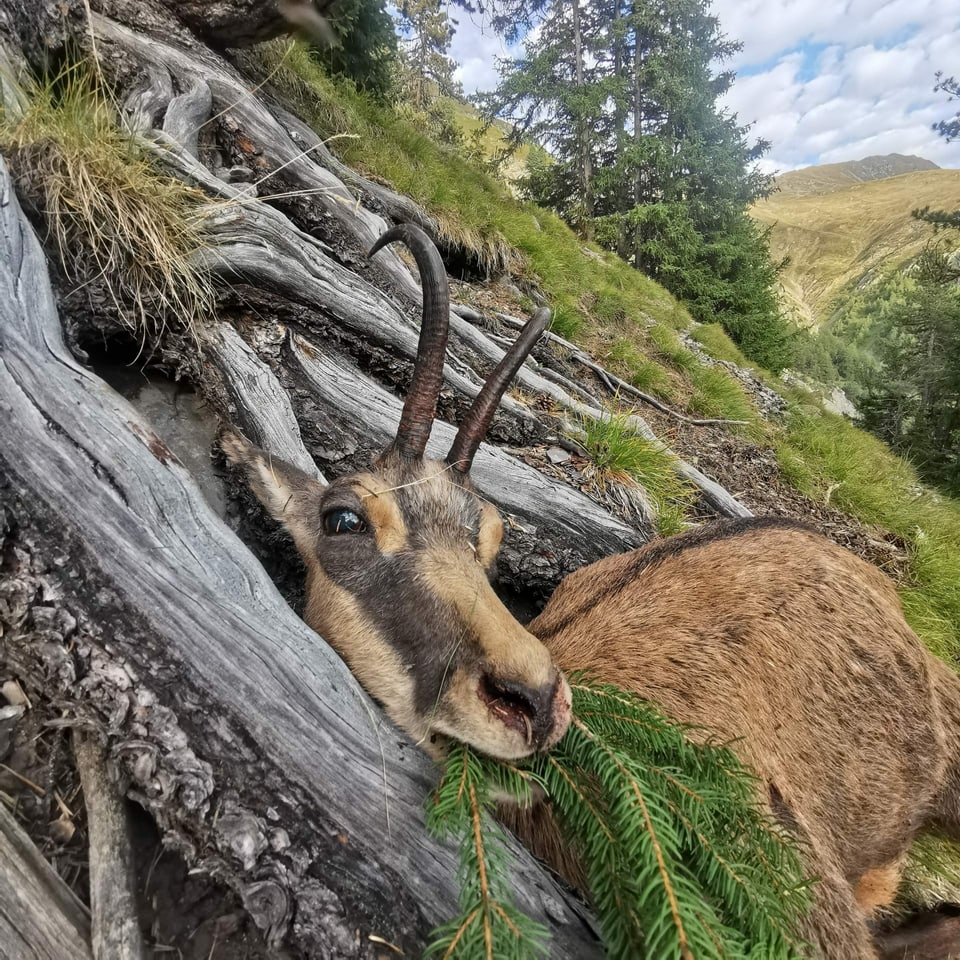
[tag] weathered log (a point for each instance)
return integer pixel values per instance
(271, 147)
(260, 406)
(113, 898)
(40, 918)
(239, 729)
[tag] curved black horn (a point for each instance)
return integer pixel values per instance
(477, 421)
(420, 407)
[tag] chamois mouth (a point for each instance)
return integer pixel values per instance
(509, 705)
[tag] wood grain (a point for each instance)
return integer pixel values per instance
(40, 918)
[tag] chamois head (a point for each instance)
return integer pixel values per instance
(399, 560)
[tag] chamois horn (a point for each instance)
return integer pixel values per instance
(420, 407)
(475, 424)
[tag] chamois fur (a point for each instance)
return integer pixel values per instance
(758, 631)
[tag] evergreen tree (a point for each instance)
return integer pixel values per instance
(427, 31)
(950, 130)
(555, 97)
(915, 403)
(366, 47)
(623, 95)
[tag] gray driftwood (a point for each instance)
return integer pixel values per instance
(258, 404)
(237, 727)
(40, 918)
(113, 898)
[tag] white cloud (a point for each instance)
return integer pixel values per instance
(475, 50)
(869, 91)
(823, 80)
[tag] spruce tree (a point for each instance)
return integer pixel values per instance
(366, 46)
(426, 32)
(624, 96)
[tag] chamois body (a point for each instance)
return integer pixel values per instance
(760, 632)
(769, 635)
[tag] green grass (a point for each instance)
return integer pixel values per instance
(625, 359)
(110, 211)
(668, 346)
(716, 394)
(823, 453)
(620, 455)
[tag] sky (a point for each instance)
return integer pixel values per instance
(823, 80)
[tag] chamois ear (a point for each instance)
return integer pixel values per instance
(283, 489)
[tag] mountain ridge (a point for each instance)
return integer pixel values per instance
(828, 177)
(837, 232)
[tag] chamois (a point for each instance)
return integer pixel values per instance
(759, 631)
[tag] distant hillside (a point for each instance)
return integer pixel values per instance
(839, 229)
(493, 139)
(837, 176)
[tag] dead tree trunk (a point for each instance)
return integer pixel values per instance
(126, 596)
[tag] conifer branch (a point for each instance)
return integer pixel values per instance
(680, 859)
(651, 831)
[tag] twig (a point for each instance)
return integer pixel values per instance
(39, 790)
(113, 902)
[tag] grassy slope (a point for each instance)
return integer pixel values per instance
(609, 307)
(835, 237)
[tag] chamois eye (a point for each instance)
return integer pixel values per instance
(343, 521)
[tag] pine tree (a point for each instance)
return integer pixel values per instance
(624, 94)
(427, 31)
(914, 404)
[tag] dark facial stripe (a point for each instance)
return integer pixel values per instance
(656, 554)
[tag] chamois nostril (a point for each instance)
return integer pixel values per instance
(528, 710)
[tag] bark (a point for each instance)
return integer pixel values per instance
(39, 915)
(583, 139)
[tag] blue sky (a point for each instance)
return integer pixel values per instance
(823, 80)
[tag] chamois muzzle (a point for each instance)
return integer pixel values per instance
(541, 714)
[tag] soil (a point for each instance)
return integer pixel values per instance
(183, 916)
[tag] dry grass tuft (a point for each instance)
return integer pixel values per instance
(111, 214)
